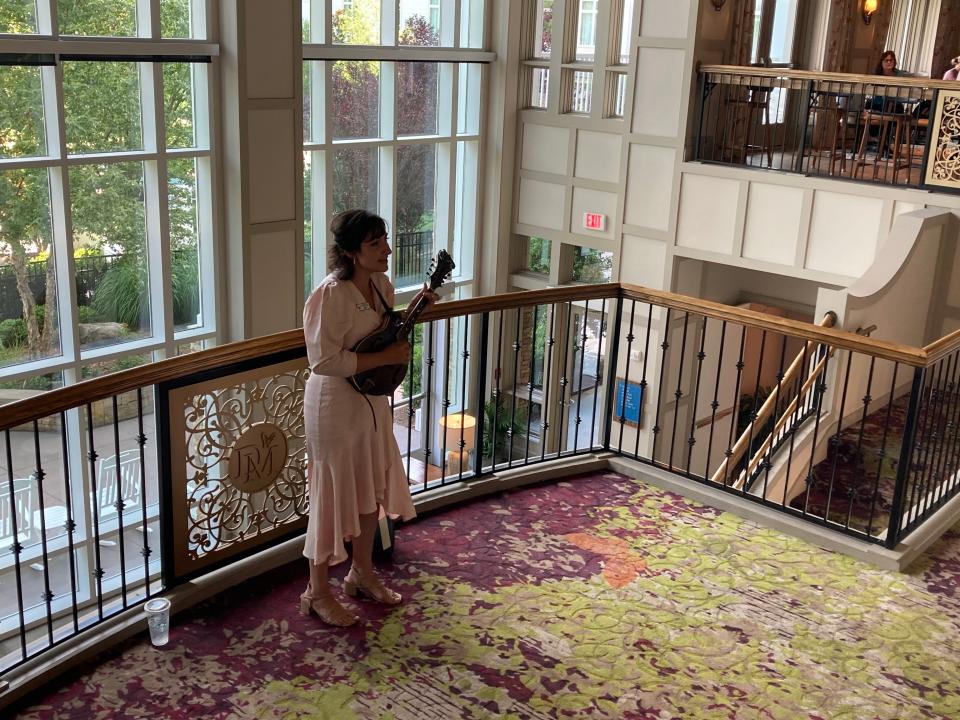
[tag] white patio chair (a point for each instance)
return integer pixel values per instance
(127, 497)
(20, 509)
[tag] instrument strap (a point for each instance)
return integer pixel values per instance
(386, 308)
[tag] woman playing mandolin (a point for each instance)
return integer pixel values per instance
(354, 462)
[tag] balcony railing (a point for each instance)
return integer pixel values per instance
(893, 131)
(126, 486)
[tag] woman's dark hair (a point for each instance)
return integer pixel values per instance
(350, 229)
(878, 70)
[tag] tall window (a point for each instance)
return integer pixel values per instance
(105, 167)
(396, 132)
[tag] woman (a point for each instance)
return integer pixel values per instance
(954, 70)
(887, 65)
(354, 462)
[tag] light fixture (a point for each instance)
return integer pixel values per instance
(718, 4)
(869, 8)
(456, 427)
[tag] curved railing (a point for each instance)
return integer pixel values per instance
(125, 486)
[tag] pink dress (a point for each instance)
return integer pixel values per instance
(353, 467)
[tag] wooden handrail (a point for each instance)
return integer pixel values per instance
(830, 77)
(740, 447)
(939, 349)
(904, 354)
(61, 399)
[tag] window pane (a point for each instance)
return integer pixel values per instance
(416, 166)
(538, 255)
(468, 100)
(417, 28)
(184, 243)
(465, 208)
(592, 266)
(471, 23)
(356, 22)
(18, 16)
(178, 105)
(89, 17)
(355, 176)
(543, 41)
(582, 92)
(626, 31)
(29, 322)
(539, 87)
(175, 19)
(586, 30)
(356, 99)
(22, 132)
(620, 94)
(101, 104)
(416, 98)
(108, 226)
(308, 221)
(313, 106)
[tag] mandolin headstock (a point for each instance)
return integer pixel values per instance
(441, 267)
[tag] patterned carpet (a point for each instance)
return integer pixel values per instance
(599, 597)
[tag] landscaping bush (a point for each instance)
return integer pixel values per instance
(121, 292)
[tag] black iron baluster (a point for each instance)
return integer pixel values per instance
(481, 382)
(564, 381)
(903, 469)
(119, 503)
(798, 415)
(728, 453)
(547, 370)
(410, 410)
(664, 346)
(596, 376)
(498, 373)
(513, 391)
(836, 437)
(715, 403)
(39, 474)
(532, 371)
(71, 524)
(748, 452)
(766, 462)
(820, 389)
(692, 440)
(643, 381)
(882, 454)
(925, 421)
(145, 552)
(932, 438)
(950, 470)
(17, 547)
(583, 355)
(446, 404)
(867, 399)
(465, 354)
(427, 389)
(678, 393)
(95, 495)
(626, 379)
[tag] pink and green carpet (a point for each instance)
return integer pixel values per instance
(596, 597)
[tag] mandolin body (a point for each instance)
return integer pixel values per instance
(385, 379)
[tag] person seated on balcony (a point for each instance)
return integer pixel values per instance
(954, 70)
(887, 67)
(354, 463)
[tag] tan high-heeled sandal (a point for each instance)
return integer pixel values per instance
(369, 585)
(326, 608)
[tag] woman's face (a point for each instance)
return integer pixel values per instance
(888, 63)
(373, 253)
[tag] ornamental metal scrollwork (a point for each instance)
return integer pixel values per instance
(256, 426)
(944, 161)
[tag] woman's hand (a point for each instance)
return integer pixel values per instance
(425, 292)
(397, 353)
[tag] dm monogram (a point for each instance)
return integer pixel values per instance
(257, 458)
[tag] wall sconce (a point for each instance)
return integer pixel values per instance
(869, 8)
(453, 427)
(718, 4)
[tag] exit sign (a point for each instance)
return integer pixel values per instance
(594, 221)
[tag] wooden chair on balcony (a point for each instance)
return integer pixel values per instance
(893, 133)
(752, 108)
(830, 121)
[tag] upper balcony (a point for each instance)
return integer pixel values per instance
(898, 131)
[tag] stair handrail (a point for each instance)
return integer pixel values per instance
(740, 447)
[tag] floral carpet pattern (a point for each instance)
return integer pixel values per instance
(596, 597)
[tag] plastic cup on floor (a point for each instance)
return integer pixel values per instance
(158, 620)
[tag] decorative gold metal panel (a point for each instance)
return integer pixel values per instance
(238, 463)
(943, 161)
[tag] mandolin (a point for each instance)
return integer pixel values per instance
(385, 379)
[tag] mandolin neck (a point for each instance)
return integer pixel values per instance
(411, 318)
